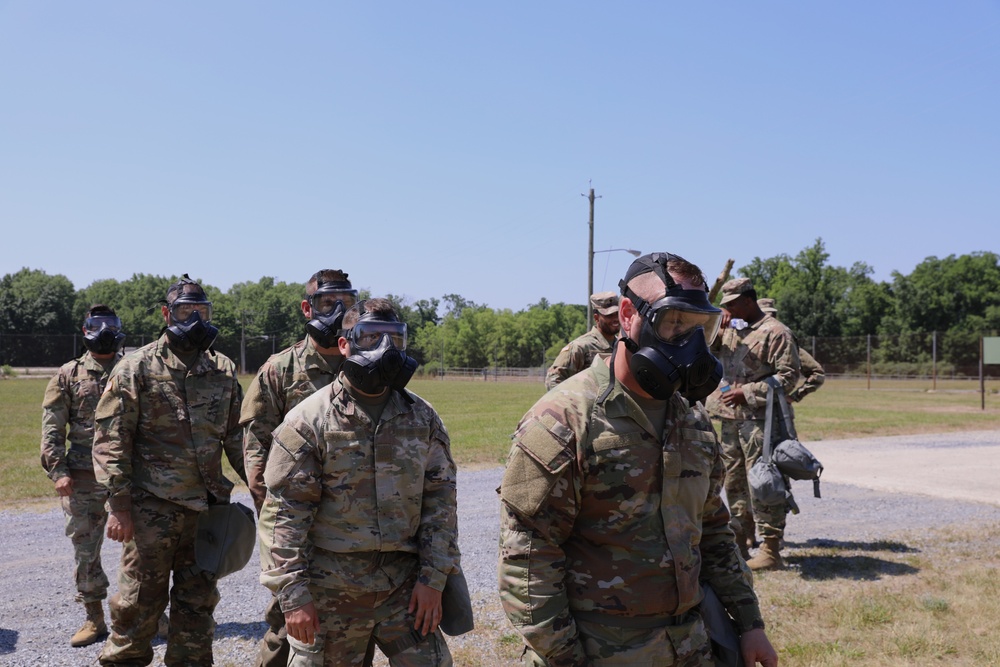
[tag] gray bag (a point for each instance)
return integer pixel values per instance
(721, 629)
(225, 538)
(793, 459)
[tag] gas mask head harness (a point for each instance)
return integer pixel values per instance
(102, 332)
(672, 351)
(378, 356)
(329, 303)
(190, 327)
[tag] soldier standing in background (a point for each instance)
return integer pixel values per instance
(169, 412)
(284, 381)
(579, 353)
(359, 528)
(70, 401)
(764, 347)
(813, 375)
(611, 512)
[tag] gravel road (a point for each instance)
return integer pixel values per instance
(38, 615)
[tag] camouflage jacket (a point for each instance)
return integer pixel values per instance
(813, 375)
(163, 428)
(70, 400)
(599, 515)
(354, 505)
(577, 355)
(284, 381)
(764, 348)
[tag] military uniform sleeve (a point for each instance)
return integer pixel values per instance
(812, 373)
(540, 497)
(294, 478)
(569, 361)
(55, 417)
(721, 565)
(782, 355)
(115, 423)
(233, 444)
(261, 413)
(438, 515)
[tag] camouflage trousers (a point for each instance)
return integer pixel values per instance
(683, 645)
(85, 520)
(272, 651)
(742, 445)
(163, 545)
(348, 621)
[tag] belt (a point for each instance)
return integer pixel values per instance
(634, 622)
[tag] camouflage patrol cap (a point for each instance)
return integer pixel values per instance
(734, 289)
(767, 305)
(605, 303)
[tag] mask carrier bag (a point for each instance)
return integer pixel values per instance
(791, 457)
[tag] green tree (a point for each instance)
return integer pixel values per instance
(32, 301)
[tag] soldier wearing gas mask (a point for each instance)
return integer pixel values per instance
(69, 404)
(612, 513)
(170, 411)
(359, 527)
(285, 380)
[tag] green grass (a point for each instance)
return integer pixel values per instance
(480, 417)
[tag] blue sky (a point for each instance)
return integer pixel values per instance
(431, 148)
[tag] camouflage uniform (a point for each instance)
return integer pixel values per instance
(355, 514)
(812, 373)
(577, 355)
(606, 530)
(764, 348)
(284, 381)
(160, 433)
(70, 400)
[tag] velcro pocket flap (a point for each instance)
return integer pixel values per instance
(287, 450)
(539, 455)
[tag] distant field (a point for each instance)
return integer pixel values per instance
(480, 417)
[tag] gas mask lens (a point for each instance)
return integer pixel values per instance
(97, 322)
(368, 334)
(181, 311)
(671, 323)
(323, 303)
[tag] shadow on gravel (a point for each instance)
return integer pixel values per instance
(859, 568)
(8, 640)
(247, 630)
(877, 545)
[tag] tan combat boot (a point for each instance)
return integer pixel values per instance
(93, 628)
(768, 556)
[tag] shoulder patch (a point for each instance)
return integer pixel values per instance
(540, 454)
(287, 449)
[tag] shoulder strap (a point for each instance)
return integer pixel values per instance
(774, 388)
(768, 420)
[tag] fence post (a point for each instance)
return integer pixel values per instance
(934, 359)
(869, 337)
(982, 382)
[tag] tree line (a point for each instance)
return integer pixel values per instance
(957, 296)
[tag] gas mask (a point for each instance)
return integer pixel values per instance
(190, 326)
(329, 303)
(378, 358)
(103, 334)
(672, 351)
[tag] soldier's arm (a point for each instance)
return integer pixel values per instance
(55, 417)
(233, 444)
(438, 515)
(568, 362)
(782, 355)
(294, 478)
(115, 423)
(812, 373)
(721, 565)
(262, 411)
(539, 506)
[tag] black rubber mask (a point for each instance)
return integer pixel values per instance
(103, 337)
(192, 334)
(371, 371)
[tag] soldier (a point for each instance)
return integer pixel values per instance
(763, 348)
(580, 352)
(611, 511)
(359, 529)
(284, 381)
(169, 412)
(70, 400)
(813, 375)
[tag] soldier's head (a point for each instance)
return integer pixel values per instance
(740, 298)
(374, 344)
(605, 307)
(329, 294)
(188, 314)
(767, 306)
(102, 331)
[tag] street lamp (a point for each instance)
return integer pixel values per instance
(590, 277)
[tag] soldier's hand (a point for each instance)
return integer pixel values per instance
(120, 527)
(756, 648)
(64, 486)
(302, 623)
(425, 605)
(734, 397)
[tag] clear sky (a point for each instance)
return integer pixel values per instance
(431, 148)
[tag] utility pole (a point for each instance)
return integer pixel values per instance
(590, 258)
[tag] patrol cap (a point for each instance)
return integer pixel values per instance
(605, 303)
(224, 539)
(186, 289)
(767, 305)
(734, 289)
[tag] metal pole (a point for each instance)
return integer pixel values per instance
(590, 261)
(869, 362)
(243, 343)
(982, 382)
(934, 359)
